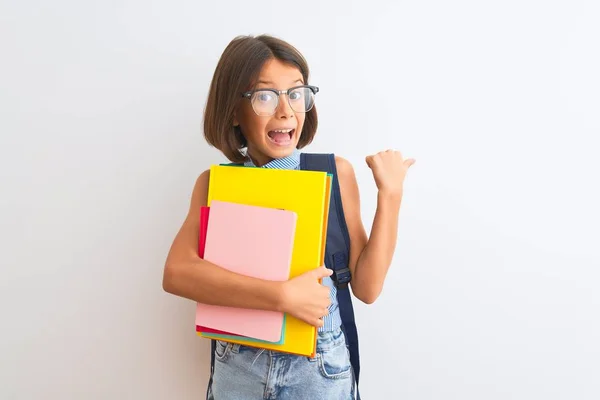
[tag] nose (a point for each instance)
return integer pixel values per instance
(283, 108)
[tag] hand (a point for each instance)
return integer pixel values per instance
(389, 170)
(305, 298)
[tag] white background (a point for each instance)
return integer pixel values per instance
(493, 292)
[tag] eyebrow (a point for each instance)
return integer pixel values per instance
(271, 83)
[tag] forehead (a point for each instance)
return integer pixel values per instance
(276, 73)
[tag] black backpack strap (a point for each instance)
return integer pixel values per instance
(337, 253)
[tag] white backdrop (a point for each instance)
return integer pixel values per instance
(493, 293)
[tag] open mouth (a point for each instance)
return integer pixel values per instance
(281, 137)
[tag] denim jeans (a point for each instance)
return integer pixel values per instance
(248, 373)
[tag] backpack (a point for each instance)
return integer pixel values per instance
(337, 251)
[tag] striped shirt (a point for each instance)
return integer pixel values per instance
(332, 320)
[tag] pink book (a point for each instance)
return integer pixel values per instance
(253, 241)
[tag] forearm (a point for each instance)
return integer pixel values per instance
(376, 257)
(207, 283)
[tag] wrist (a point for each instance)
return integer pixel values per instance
(389, 196)
(278, 296)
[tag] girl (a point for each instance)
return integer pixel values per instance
(260, 112)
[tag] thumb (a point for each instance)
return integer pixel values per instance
(409, 162)
(369, 161)
(322, 272)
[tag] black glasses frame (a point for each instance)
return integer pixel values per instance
(248, 94)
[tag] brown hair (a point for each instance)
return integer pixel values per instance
(236, 72)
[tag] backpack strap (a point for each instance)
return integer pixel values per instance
(337, 253)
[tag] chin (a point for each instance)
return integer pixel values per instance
(280, 152)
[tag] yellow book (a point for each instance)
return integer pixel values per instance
(305, 192)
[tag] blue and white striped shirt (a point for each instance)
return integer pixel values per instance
(331, 321)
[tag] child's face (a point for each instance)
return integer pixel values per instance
(264, 144)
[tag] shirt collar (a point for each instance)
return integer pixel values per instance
(290, 162)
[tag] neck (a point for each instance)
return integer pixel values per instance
(258, 162)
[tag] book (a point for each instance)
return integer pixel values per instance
(305, 192)
(204, 216)
(254, 241)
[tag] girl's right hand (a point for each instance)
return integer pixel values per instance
(305, 298)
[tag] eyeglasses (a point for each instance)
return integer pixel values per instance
(265, 101)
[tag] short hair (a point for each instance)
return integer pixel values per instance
(236, 72)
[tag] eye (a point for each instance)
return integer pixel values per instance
(264, 97)
(296, 95)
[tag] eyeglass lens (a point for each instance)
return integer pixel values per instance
(265, 102)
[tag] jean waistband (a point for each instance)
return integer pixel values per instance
(330, 339)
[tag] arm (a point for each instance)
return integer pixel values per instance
(189, 276)
(370, 258)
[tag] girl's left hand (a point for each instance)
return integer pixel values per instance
(389, 170)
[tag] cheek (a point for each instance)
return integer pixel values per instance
(258, 126)
(301, 119)
(252, 125)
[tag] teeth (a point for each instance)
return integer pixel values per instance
(283, 130)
